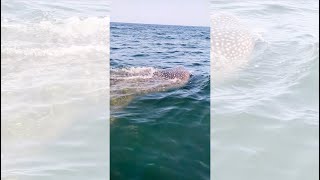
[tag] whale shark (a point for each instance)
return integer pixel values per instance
(127, 83)
(232, 44)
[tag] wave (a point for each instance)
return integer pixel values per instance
(72, 30)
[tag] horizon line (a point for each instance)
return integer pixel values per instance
(160, 24)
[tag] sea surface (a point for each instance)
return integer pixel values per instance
(265, 117)
(54, 89)
(162, 135)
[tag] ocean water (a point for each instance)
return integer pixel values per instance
(54, 90)
(162, 135)
(265, 117)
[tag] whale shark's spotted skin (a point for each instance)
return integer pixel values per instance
(128, 83)
(173, 73)
(231, 42)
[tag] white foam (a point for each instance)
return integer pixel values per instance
(133, 73)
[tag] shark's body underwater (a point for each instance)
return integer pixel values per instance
(127, 83)
(232, 44)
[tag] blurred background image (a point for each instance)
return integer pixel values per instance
(54, 89)
(265, 117)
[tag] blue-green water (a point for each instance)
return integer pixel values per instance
(162, 135)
